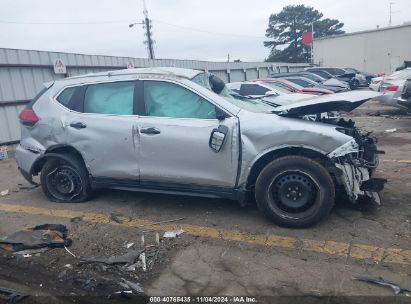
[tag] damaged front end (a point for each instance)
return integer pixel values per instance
(355, 163)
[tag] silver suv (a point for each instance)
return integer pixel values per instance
(182, 131)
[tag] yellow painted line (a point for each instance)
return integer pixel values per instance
(334, 248)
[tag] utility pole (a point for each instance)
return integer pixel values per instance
(391, 4)
(147, 25)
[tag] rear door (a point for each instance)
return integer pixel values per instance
(174, 137)
(103, 128)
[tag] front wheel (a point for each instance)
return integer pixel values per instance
(65, 180)
(354, 84)
(295, 191)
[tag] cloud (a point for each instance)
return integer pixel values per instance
(227, 27)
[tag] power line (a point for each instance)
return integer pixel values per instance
(130, 21)
(67, 23)
(208, 32)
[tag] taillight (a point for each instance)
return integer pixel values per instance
(376, 81)
(392, 88)
(28, 117)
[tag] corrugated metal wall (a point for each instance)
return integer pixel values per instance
(23, 72)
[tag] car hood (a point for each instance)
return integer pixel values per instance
(336, 82)
(345, 102)
(287, 99)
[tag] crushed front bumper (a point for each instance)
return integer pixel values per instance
(358, 182)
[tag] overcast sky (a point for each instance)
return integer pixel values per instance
(183, 29)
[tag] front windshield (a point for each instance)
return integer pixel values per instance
(247, 103)
(300, 82)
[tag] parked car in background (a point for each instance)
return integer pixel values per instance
(331, 83)
(354, 79)
(368, 76)
(181, 131)
(308, 83)
(377, 81)
(392, 87)
(266, 92)
(295, 88)
(405, 99)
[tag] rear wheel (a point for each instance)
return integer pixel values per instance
(295, 191)
(65, 180)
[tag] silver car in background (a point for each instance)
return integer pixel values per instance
(182, 131)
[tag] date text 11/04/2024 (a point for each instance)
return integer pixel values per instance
(199, 299)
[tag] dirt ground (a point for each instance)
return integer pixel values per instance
(226, 250)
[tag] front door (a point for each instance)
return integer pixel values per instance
(174, 137)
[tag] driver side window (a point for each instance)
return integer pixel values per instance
(165, 99)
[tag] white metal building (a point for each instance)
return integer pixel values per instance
(23, 72)
(377, 51)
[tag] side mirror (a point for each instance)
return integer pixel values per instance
(217, 138)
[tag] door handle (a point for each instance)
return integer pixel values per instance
(78, 125)
(150, 130)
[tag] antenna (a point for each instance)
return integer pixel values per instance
(391, 4)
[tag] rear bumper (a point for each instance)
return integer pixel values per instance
(25, 159)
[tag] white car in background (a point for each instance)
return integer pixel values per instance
(268, 93)
(391, 91)
(376, 82)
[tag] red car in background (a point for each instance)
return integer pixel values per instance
(293, 87)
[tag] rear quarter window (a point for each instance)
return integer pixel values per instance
(65, 97)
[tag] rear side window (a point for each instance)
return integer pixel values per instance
(110, 98)
(164, 99)
(65, 96)
(300, 82)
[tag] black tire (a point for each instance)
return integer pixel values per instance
(295, 191)
(65, 180)
(354, 84)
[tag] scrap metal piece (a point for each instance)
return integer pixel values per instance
(115, 218)
(11, 295)
(135, 286)
(380, 281)
(127, 258)
(173, 234)
(47, 235)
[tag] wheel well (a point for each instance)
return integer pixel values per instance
(65, 150)
(270, 156)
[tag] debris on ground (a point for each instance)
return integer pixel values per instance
(72, 254)
(129, 245)
(128, 258)
(4, 192)
(10, 295)
(380, 281)
(46, 235)
(3, 153)
(21, 187)
(135, 286)
(30, 252)
(121, 294)
(76, 219)
(173, 234)
(391, 130)
(163, 222)
(377, 113)
(114, 217)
